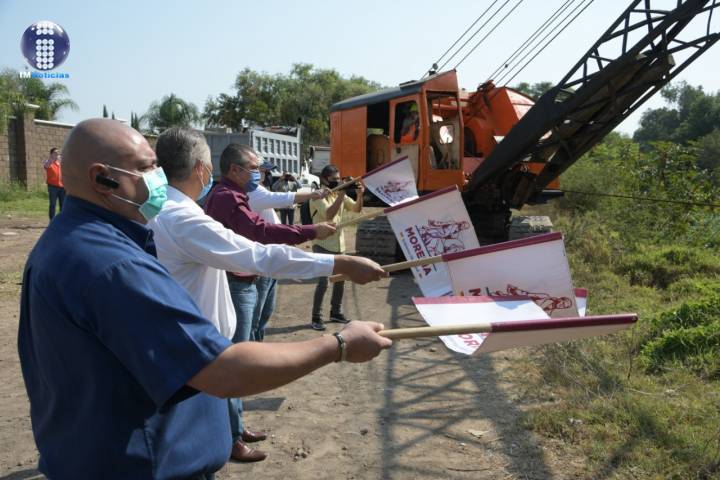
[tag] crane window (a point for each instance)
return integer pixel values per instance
(444, 150)
(407, 122)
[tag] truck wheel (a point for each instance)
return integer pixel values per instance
(375, 240)
(314, 186)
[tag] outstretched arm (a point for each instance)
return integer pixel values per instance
(250, 368)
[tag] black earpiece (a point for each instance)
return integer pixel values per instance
(107, 181)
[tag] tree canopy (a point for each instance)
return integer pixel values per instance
(171, 111)
(305, 93)
(16, 92)
(534, 90)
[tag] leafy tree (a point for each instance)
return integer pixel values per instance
(105, 112)
(690, 115)
(51, 98)
(264, 99)
(136, 121)
(709, 152)
(171, 111)
(12, 100)
(535, 90)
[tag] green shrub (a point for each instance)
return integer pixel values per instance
(688, 336)
(662, 266)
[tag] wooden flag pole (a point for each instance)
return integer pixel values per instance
(393, 267)
(422, 332)
(352, 181)
(361, 218)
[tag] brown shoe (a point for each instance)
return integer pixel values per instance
(243, 453)
(249, 437)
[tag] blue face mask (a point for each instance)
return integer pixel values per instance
(254, 181)
(156, 184)
(205, 188)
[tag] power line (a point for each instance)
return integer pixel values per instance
(506, 63)
(646, 199)
(458, 50)
(464, 33)
(489, 33)
(567, 24)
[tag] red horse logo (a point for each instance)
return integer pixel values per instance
(442, 237)
(543, 300)
(395, 192)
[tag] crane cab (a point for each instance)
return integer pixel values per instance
(420, 119)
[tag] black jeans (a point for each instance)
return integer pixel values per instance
(287, 216)
(321, 288)
(56, 194)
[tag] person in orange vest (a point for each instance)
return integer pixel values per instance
(56, 191)
(410, 125)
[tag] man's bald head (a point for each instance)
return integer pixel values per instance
(99, 140)
(90, 148)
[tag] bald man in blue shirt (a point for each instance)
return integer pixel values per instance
(124, 374)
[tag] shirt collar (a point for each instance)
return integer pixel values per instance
(137, 232)
(178, 196)
(232, 185)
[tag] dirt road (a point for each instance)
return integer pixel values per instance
(417, 412)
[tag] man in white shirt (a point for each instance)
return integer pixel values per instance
(264, 202)
(197, 250)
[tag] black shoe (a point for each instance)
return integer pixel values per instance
(339, 318)
(317, 325)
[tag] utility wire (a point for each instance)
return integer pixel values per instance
(489, 33)
(646, 199)
(464, 33)
(458, 50)
(567, 24)
(506, 63)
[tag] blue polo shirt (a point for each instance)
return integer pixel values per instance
(107, 341)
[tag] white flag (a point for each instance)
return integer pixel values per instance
(393, 183)
(432, 225)
(510, 322)
(535, 267)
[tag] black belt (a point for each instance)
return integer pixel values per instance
(235, 278)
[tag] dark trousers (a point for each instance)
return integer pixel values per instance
(321, 288)
(56, 194)
(287, 216)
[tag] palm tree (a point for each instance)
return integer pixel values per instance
(51, 98)
(171, 111)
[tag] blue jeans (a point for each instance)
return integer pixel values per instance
(263, 308)
(57, 195)
(244, 298)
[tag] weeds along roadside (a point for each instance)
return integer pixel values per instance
(643, 403)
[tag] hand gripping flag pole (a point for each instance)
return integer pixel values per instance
(394, 267)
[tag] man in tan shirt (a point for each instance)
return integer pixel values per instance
(331, 209)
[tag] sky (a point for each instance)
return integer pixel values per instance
(126, 54)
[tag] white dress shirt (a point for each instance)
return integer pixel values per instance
(197, 250)
(263, 202)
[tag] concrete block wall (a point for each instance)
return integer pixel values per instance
(26, 143)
